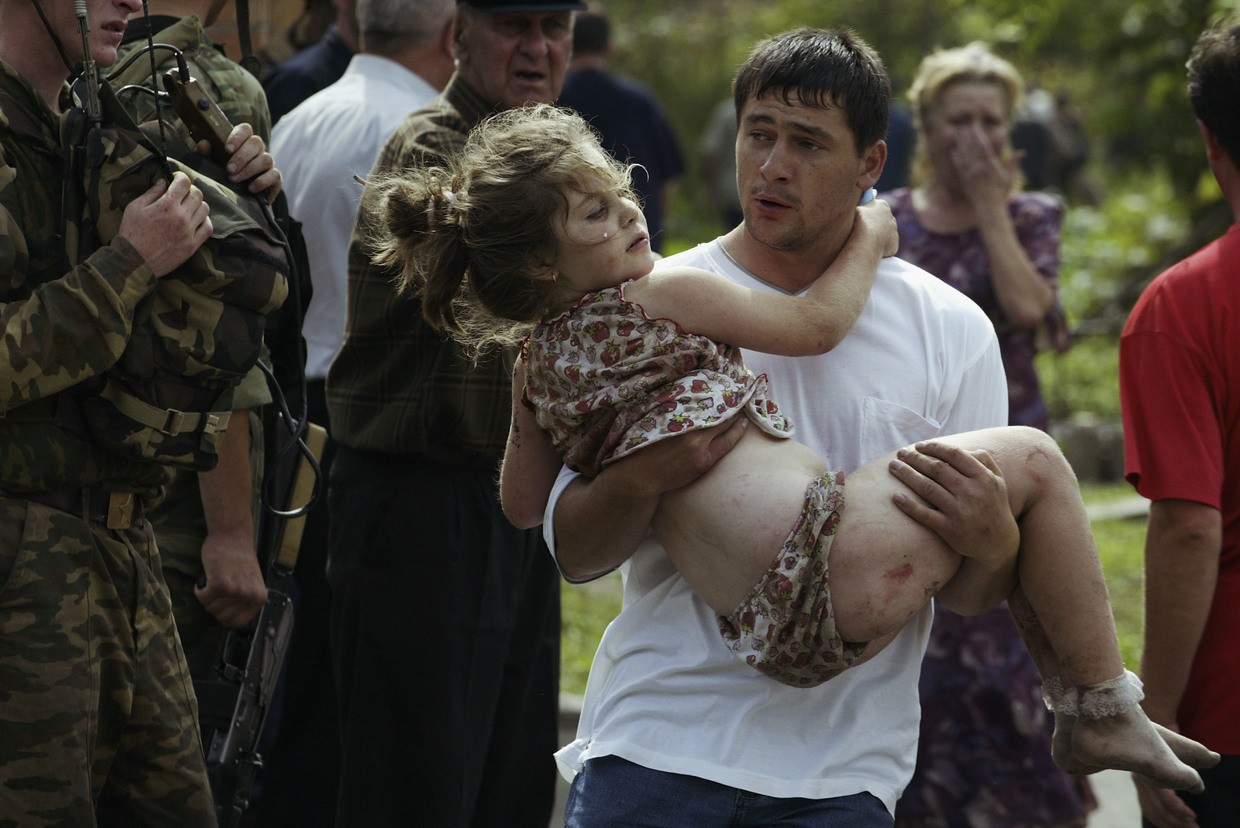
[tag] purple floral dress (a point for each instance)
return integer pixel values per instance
(984, 754)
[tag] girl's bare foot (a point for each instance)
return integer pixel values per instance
(1103, 726)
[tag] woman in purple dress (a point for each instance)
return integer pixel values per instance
(984, 757)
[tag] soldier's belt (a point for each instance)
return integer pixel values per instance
(116, 510)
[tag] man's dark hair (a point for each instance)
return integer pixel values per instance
(591, 33)
(1214, 85)
(824, 68)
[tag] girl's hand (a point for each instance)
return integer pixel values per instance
(874, 220)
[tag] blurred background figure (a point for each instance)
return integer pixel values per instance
(315, 67)
(901, 138)
(717, 149)
(984, 756)
(627, 115)
(1050, 132)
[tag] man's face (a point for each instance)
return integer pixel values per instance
(798, 173)
(516, 58)
(107, 27)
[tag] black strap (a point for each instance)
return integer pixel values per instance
(248, 60)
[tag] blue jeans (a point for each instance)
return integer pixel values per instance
(611, 791)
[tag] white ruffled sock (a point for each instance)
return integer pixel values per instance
(1110, 698)
(1093, 701)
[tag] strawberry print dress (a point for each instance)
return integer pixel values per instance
(604, 380)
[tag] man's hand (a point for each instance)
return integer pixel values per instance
(600, 522)
(961, 497)
(1162, 807)
(167, 224)
(235, 591)
(249, 161)
(675, 462)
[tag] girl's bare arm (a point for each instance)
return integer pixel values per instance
(530, 464)
(812, 323)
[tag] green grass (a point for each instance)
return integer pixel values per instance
(588, 608)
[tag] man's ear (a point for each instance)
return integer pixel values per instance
(457, 30)
(872, 165)
(1214, 150)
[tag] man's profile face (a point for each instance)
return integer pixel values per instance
(798, 172)
(514, 58)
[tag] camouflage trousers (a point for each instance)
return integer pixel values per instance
(97, 712)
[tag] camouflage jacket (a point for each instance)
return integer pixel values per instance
(63, 324)
(238, 93)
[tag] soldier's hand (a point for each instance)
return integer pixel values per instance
(234, 591)
(249, 161)
(167, 223)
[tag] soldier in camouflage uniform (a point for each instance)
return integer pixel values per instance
(206, 523)
(97, 716)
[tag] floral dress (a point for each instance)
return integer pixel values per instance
(605, 380)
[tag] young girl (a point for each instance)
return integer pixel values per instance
(532, 237)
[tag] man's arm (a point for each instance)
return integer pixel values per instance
(235, 590)
(597, 523)
(159, 230)
(1182, 545)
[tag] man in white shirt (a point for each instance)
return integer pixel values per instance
(676, 730)
(405, 59)
(336, 134)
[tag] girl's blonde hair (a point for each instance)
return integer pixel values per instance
(973, 63)
(475, 240)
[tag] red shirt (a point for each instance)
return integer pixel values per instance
(1180, 389)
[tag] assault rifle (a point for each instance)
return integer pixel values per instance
(252, 657)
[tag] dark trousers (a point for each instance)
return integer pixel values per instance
(1219, 806)
(445, 639)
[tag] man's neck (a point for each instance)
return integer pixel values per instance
(580, 62)
(788, 271)
(29, 50)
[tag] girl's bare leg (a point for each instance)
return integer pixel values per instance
(1066, 617)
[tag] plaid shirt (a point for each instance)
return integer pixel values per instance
(397, 386)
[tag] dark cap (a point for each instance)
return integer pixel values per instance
(518, 6)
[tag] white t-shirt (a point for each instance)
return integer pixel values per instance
(664, 690)
(319, 146)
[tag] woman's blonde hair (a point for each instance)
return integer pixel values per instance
(475, 240)
(974, 63)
